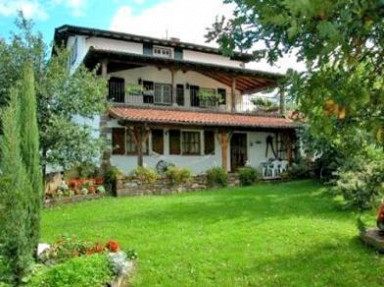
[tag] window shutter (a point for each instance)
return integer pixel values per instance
(174, 142)
(180, 95)
(209, 142)
(116, 87)
(118, 141)
(158, 141)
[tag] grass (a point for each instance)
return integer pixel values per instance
(290, 234)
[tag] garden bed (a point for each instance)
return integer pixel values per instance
(53, 201)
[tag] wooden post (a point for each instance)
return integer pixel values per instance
(173, 73)
(233, 95)
(106, 156)
(140, 135)
(282, 101)
(224, 137)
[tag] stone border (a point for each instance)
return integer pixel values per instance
(134, 187)
(54, 201)
(372, 237)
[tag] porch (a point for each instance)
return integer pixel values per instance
(197, 140)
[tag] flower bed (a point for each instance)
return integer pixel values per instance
(72, 262)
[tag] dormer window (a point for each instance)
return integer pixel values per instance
(162, 52)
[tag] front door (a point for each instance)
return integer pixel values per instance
(238, 151)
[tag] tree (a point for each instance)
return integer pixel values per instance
(60, 96)
(341, 41)
(30, 152)
(15, 190)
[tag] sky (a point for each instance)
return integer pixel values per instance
(184, 19)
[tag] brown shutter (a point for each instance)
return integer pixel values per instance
(118, 141)
(174, 142)
(158, 141)
(209, 142)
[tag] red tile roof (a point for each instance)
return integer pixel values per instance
(200, 118)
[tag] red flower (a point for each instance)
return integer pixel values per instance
(380, 214)
(112, 246)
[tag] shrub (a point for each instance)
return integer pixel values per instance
(300, 169)
(248, 175)
(179, 175)
(92, 270)
(110, 177)
(216, 176)
(145, 175)
(361, 180)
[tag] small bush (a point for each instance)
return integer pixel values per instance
(299, 169)
(110, 177)
(145, 174)
(216, 176)
(92, 270)
(179, 175)
(361, 180)
(248, 175)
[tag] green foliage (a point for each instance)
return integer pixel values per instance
(92, 270)
(340, 42)
(178, 175)
(145, 174)
(299, 169)
(265, 104)
(60, 96)
(361, 180)
(110, 177)
(30, 151)
(248, 175)
(216, 176)
(15, 201)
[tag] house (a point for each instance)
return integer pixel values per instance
(179, 103)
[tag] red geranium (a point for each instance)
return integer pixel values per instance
(112, 246)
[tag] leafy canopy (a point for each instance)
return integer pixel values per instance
(341, 42)
(60, 96)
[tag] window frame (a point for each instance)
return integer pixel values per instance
(158, 51)
(162, 102)
(188, 147)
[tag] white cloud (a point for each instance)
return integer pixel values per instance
(30, 8)
(188, 21)
(77, 7)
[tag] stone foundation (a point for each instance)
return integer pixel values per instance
(134, 187)
(374, 238)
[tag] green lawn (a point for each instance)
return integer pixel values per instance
(289, 234)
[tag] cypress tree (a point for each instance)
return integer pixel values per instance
(30, 150)
(15, 251)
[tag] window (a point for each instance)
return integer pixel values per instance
(180, 95)
(124, 143)
(162, 52)
(118, 139)
(209, 142)
(131, 144)
(223, 94)
(116, 89)
(158, 141)
(194, 92)
(191, 143)
(148, 92)
(174, 142)
(163, 94)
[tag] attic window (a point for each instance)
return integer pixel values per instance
(162, 52)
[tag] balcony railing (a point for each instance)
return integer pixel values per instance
(243, 104)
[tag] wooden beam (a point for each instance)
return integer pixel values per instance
(224, 137)
(282, 101)
(233, 95)
(140, 135)
(173, 83)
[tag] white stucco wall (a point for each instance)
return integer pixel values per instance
(115, 45)
(256, 147)
(209, 58)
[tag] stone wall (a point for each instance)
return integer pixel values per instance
(134, 187)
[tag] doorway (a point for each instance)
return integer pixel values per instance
(238, 151)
